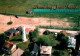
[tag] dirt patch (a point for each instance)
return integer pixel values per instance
(30, 22)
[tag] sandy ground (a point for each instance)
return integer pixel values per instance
(30, 22)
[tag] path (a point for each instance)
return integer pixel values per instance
(41, 30)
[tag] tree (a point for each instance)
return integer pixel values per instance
(77, 41)
(33, 34)
(26, 53)
(2, 39)
(59, 36)
(46, 32)
(63, 41)
(46, 40)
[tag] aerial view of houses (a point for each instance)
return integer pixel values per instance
(39, 28)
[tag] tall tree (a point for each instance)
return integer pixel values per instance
(46, 40)
(63, 41)
(77, 41)
(33, 34)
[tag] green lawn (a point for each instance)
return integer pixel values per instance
(20, 6)
(23, 45)
(16, 39)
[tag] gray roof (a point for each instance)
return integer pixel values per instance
(12, 30)
(35, 49)
(19, 28)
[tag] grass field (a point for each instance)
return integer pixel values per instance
(20, 6)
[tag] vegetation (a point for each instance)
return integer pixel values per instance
(63, 40)
(77, 41)
(46, 32)
(35, 32)
(20, 6)
(26, 53)
(47, 41)
(61, 53)
(52, 27)
(9, 23)
(2, 39)
(23, 45)
(16, 39)
(33, 35)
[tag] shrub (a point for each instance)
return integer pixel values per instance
(46, 40)
(33, 35)
(46, 32)
(9, 23)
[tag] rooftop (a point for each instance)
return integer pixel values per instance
(8, 45)
(46, 50)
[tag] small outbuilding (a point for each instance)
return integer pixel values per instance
(28, 12)
(46, 51)
(8, 47)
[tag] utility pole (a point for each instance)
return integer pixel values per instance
(50, 20)
(10, 18)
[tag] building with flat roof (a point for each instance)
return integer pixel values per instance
(72, 42)
(46, 50)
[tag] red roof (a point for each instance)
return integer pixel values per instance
(64, 32)
(27, 30)
(32, 31)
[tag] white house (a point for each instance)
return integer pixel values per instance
(8, 47)
(46, 51)
(72, 42)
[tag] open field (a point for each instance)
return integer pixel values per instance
(19, 7)
(32, 22)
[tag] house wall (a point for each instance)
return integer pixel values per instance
(13, 48)
(11, 36)
(17, 33)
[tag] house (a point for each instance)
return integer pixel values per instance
(18, 52)
(8, 47)
(19, 28)
(27, 31)
(64, 32)
(11, 32)
(35, 50)
(46, 51)
(73, 35)
(72, 43)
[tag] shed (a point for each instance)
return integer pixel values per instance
(28, 12)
